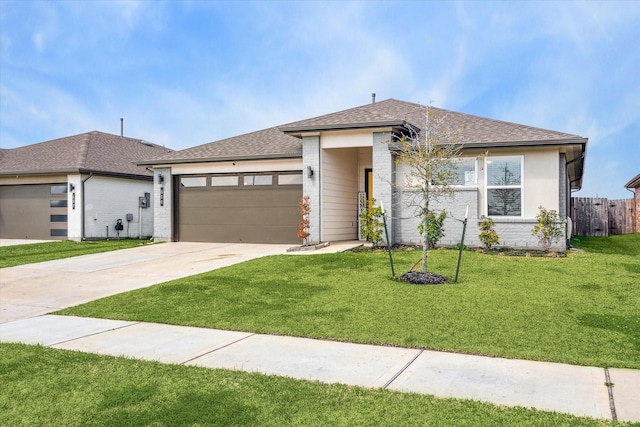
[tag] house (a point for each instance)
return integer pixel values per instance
(635, 185)
(77, 187)
(247, 188)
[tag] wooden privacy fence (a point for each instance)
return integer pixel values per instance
(598, 216)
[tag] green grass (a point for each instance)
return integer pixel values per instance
(581, 309)
(44, 387)
(11, 256)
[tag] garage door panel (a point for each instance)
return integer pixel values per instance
(25, 212)
(241, 214)
(240, 234)
(272, 216)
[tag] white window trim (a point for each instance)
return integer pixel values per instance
(488, 187)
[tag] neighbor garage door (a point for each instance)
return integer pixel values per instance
(251, 208)
(33, 211)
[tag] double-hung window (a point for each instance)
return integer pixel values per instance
(504, 185)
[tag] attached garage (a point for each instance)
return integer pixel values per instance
(242, 207)
(33, 211)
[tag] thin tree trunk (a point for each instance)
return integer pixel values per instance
(425, 245)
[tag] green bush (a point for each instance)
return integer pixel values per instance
(488, 236)
(549, 228)
(371, 224)
(435, 228)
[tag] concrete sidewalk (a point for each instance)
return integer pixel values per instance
(29, 292)
(577, 390)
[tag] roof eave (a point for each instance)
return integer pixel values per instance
(220, 159)
(634, 183)
(297, 131)
(529, 143)
(39, 172)
(76, 171)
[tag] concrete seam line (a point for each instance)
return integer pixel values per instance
(95, 333)
(404, 368)
(609, 385)
(216, 349)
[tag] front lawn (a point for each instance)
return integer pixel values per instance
(581, 309)
(46, 387)
(11, 256)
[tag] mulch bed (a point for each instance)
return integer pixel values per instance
(420, 278)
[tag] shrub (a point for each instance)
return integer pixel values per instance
(371, 223)
(488, 236)
(303, 228)
(435, 228)
(549, 228)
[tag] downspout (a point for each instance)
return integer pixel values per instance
(82, 204)
(578, 178)
(570, 207)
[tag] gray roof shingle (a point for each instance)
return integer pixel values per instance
(88, 152)
(475, 129)
(281, 141)
(267, 143)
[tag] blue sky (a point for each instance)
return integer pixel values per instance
(187, 73)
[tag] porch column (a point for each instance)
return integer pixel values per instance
(384, 176)
(311, 184)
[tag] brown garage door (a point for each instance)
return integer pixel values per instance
(250, 208)
(33, 211)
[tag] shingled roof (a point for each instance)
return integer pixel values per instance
(95, 152)
(263, 144)
(391, 112)
(284, 141)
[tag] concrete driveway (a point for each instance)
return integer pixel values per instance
(35, 289)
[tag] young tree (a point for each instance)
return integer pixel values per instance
(432, 156)
(548, 229)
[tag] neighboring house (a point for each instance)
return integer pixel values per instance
(76, 187)
(635, 185)
(247, 188)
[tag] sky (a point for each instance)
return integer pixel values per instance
(185, 73)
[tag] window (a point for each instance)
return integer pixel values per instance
(290, 179)
(224, 181)
(504, 186)
(58, 188)
(58, 218)
(58, 203)
(193, 181)
(258, 180)
(58, 233)
(466, 172)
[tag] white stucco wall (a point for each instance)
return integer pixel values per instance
(541, 181)
(346, 139)
(108, 199)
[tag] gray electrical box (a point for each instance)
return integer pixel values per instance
(145, 201)
(129, 217)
